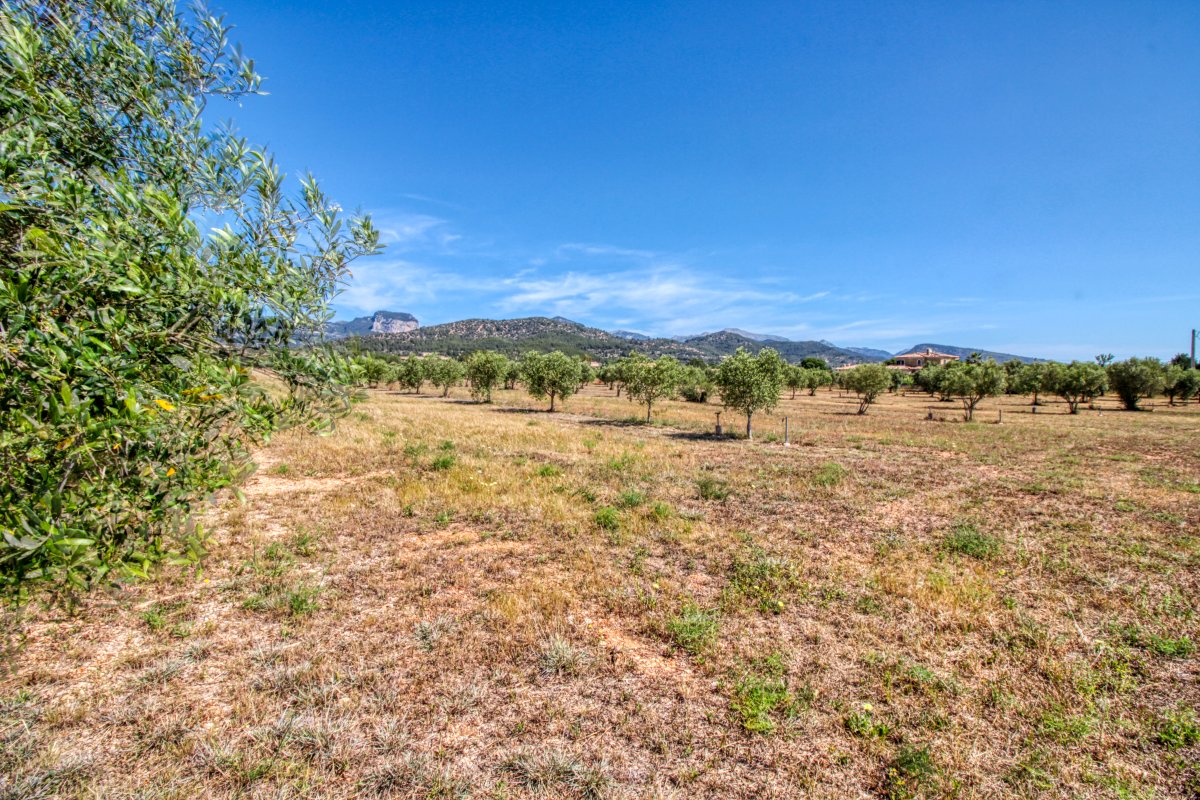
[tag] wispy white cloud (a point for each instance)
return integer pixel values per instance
(603, 250)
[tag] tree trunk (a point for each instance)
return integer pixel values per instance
(793, 393)
(552, 401)
(647, 412)
(749, 430)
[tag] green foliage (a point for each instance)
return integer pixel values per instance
(965, 539)
(1135, 379)
(552, 375)
(694, 628)
(129, 336)
(485, 370)
(695, 384)
(411, 373)
(647, 381)
(971, 382)
(750, 383)
(444, 372)
(1076, 382)
(868, 381)
(1181, 384)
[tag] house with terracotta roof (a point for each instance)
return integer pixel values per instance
(928, 357)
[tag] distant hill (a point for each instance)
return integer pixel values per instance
(871, 353)
(634, 335)
(516, 336)
(964, 352)
(379, 322)
(756, 337)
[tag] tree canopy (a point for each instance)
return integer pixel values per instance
(554, 375)
(868, 381)
(750, 383)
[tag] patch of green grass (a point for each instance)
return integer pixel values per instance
(1032, 772)
(608, 518)
(661, 511)
(712, 489)
(549, 471)
(911, 771)
(756, 698)
(763, 578)
(444, 462)
(965, 539)
(302, 600)
(829, 474)
(864, 725)
(694, 628)
(1065, 728)
(1177, 727)
(631, 498)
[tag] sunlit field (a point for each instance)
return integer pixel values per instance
(446, 599)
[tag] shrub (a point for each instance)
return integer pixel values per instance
(444, 462)
(968, 540)
(693, 628)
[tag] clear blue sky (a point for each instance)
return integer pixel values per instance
(1010, 175)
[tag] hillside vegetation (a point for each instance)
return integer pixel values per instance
(512, 337)
(452, 599)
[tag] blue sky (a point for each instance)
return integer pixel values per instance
(1016, 176)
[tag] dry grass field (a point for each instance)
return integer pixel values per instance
(445, 599)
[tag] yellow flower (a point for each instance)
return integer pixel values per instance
(163, 404)
(867, 706)
(170, 472)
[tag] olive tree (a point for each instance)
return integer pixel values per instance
(815, 377)
(972, 382)
(1079, 381)
(1136, 378)
(554, 375)
(1180, 383)
(649, 381)
(750, 383)
(444, 373)
(485, 369)
(793, 378)
(695, 383)
(868, 381)
(150, 267)
(411, 373)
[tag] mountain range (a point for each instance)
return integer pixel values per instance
(401, 333)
